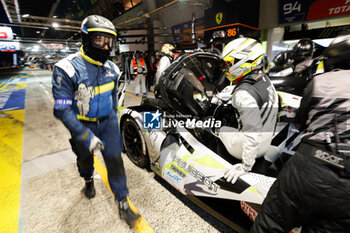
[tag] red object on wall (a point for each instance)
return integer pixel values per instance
(326, 8)
(3, 35)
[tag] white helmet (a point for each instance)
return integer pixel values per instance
(243, 56)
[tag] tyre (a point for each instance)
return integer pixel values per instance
(134, 143)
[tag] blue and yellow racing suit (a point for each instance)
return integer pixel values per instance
(85, 101)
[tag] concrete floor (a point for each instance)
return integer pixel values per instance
(50, 191)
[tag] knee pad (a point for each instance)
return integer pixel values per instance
(115, 165)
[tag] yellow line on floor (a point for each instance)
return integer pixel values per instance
(141, 225)
(137, 97)
(11, 145)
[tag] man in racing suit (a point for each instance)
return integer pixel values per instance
(256, 103)
(312, 190)
(84, 89)
(165, 61)
(299, 60)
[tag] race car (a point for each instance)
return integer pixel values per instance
(175, 134)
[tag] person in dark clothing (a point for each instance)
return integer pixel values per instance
(150, 73)
(84, 89)
(312, 190)
(298, 60)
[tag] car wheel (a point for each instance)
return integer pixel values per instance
(134, 144)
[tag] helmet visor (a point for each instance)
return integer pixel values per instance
(102, 41)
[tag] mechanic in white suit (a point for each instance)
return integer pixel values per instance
(256, 106)
(165, 61)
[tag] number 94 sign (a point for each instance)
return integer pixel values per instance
(291, 11)
(305, 10)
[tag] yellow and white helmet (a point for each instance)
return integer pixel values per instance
(168, 49)
(243, 55)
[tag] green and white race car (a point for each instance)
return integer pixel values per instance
(175, 135)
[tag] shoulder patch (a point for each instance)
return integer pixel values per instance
(116, 68)
(107, 65)
(66, 65)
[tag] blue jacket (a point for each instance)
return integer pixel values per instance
(83, 89)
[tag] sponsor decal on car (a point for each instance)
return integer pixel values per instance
(197, 174)
(174, 177)
(249, 211)
(178, 171)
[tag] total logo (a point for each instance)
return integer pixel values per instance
(174, 177)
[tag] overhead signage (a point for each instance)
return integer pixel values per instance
(218, 18)
(182, 31)
(326, 8)
(231, 32)
(6, 33)
(291, 11)
(54, 46)
(8, 46)
(230, 12)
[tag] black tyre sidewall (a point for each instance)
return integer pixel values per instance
(141, 161)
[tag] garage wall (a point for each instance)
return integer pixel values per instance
(268, 17)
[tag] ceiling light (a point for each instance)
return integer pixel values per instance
(25, 16)
(38, 32)
(55, 16)
(55, 25)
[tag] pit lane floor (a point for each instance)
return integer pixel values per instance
(41, 188)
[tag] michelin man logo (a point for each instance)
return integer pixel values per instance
(83, 96)
(152, 120)
(59, 80)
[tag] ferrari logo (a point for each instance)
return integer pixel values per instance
(218, 17)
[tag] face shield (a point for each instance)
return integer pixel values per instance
(103, 41)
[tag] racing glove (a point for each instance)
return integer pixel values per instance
(237, 170)
(91, 142)
(96, 146)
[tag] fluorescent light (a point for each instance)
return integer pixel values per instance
(25, 16)
(55, 25)
(277, 81)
